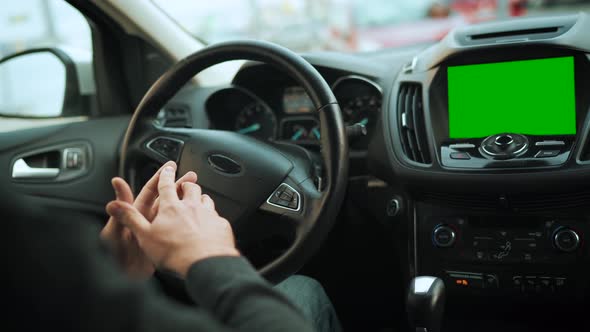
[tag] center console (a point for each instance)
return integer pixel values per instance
(505, 113)
(503, 254)
(486, 135)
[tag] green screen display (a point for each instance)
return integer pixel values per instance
(531, 97)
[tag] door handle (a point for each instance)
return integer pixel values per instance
(21, 170)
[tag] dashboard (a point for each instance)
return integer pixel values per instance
(276, 109)
(495, 107)
(478, 147)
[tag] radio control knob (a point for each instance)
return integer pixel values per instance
(443, 236)
(566, 239)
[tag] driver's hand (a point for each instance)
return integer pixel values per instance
(124, 243)
(186, 227)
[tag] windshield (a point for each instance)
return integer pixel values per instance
(348, 25)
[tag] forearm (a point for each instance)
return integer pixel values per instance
(234, 292)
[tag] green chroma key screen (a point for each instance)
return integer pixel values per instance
(531, 97)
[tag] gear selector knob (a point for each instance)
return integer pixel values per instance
(425, 304)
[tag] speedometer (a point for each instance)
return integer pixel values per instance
(256, 120)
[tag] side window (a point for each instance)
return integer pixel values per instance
(45, 60)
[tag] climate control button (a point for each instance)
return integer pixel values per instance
(566, 239)
(443, 236)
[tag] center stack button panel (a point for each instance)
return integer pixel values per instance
(533, 256)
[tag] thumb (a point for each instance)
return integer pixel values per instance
(129, 216)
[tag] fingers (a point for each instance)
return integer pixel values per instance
(123, 193)
(191, 192)
(207, 202)
(188, 177)
(129, 216)
(149, 192)
(122, 190)
(166, 186)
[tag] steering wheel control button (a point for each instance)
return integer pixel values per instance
(504, 146)
(566, 240)
(294, 203)
(285, 197)
(547, 153)
(460, 155)
(167, 147)
(443, 236)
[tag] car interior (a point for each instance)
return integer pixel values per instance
(436, 187)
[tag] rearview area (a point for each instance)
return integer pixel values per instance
(530, 97)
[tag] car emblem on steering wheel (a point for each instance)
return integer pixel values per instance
(224, 164)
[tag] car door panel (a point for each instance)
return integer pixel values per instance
(87, 192)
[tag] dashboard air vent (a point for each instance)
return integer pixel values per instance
(526, 29)
(410, 112)
(529, 203)
(514, 33)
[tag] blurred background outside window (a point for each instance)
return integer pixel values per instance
(31, 88)
(348, 25)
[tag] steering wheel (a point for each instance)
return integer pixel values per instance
(243, 174)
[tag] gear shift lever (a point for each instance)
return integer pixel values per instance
(425, 304)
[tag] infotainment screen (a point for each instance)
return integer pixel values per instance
(530, 97)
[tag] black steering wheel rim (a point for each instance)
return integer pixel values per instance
(321, 211)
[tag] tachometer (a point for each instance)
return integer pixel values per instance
(256, 120)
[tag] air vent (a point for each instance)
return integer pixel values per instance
(479, 202)
(524, 203)
(525, 29)
(175, 116)
(515, 33)
(412, 129)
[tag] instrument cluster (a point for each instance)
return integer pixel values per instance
(292, 117)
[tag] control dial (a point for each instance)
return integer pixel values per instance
(504, 146)
(566, 239)
(443, 236)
